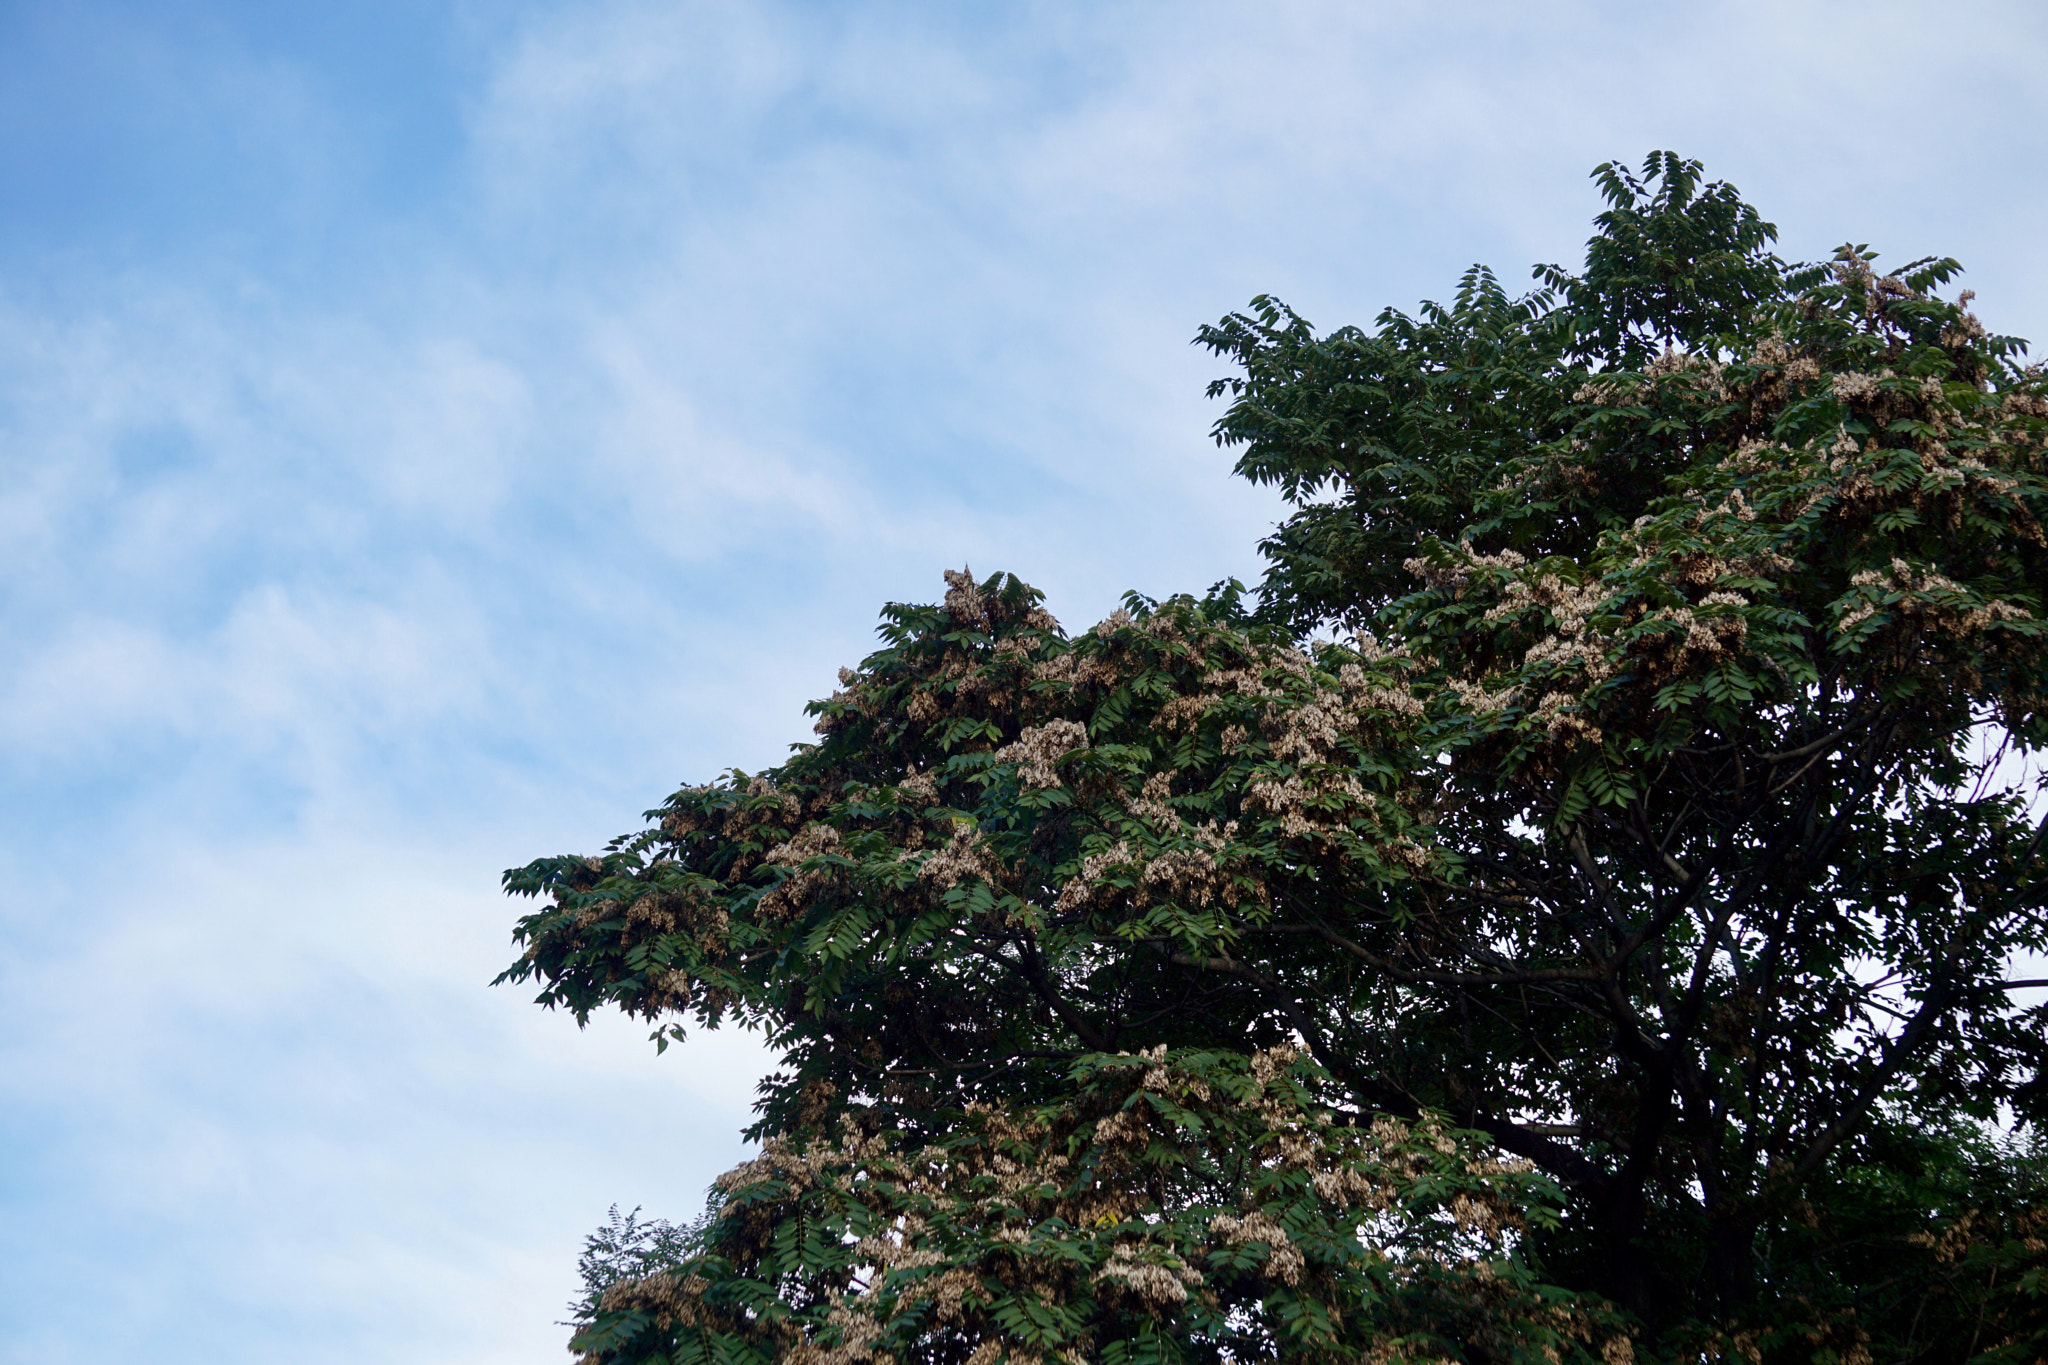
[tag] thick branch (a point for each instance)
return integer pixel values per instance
(1031, 966)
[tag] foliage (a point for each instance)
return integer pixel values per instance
(1641, 826)
(1918, 1245)
(1184, 1206)
(627, 1248)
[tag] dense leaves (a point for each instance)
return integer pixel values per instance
(1386, 436)
(1183, 1206)
(1646, 823)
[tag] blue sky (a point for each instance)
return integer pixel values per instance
(431, 432)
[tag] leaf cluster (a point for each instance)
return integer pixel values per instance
(1173, 1206)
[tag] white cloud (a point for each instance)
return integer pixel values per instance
(701, 492)
(282, 1085)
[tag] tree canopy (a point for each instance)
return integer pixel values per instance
(1569, 910)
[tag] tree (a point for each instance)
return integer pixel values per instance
(1602, 945)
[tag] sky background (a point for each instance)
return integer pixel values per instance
(432, 432)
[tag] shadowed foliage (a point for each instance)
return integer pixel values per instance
(1602, 947)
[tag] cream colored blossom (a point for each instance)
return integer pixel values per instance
(1038, 750)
